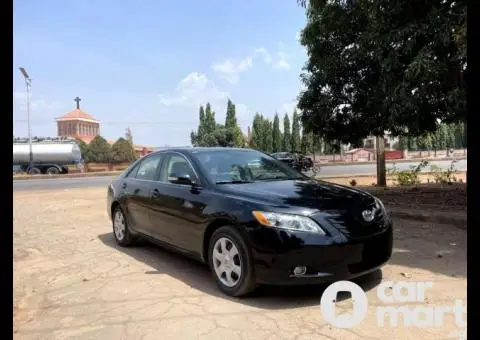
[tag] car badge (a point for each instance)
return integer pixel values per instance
(369, 215)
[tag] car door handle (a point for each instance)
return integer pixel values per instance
(155, 193)
(124, 185)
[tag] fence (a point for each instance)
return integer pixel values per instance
(99, 167)
(368, 155)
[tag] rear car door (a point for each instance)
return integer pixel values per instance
(136, 191)
(177, 209)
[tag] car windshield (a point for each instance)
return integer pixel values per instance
(243, 166)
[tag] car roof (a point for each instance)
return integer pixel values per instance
(194, 150)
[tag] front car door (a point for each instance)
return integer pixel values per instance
(177, 209)
(137, 191)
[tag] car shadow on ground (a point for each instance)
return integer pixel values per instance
(198, 276)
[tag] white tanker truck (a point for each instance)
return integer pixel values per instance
(49, 155)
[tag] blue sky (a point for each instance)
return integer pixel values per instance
(148, 65)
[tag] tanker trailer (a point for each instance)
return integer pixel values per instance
(49, 156)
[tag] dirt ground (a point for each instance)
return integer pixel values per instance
(72, 282)
(431, 197)
(371, 180)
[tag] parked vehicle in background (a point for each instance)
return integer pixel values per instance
(265, 224)
(50, 155)
(296, 161)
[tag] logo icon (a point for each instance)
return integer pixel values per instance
(369, 215)
(344, 320)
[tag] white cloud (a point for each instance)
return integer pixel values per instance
(197, 89)
(264, 54)
(194, 90)
(298, 36)
(282, 62)
(20, 102)
(230, 69)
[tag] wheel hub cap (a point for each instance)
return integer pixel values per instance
(226, 262)
(119, 226)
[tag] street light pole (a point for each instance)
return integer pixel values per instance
(28, 84)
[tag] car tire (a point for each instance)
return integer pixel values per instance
(121, 231)
(245, 282)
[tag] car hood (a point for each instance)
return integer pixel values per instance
(311, 194)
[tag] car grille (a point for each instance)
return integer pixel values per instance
(350, 222)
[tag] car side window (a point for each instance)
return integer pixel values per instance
(133, 171)
(176, 166)
(147, 169)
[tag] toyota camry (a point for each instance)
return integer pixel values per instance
(251, 218)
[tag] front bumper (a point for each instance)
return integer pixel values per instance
(276, 253)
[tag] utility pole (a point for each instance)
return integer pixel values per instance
(28, 84)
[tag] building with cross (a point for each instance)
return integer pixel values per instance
(80, 125)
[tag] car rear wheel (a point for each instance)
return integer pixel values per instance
(120, 228)
(231, 262)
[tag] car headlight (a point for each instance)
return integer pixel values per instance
(288, 222)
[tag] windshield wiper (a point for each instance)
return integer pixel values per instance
(236, 181)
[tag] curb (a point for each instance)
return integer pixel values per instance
(459, 220)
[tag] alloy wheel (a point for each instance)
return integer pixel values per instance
(119, 226)
(226, 262)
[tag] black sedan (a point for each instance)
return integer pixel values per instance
(261, 224)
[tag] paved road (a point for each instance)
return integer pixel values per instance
(327, 171)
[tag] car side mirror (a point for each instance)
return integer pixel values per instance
(183, 179)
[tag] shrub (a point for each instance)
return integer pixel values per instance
(407, 177)
(353, 182)
(444, 176)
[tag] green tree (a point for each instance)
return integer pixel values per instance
(230, 117)
(122, 151)
(331, 147)
(296, 138)
(99, 150)
(459, 137)
(378, 66)
(198, 137)
(412, 143)
(267, 136)
(234, 133)
(422, 142)
(84, 150)
(450, 140)
(287, 137)
(209, 127)
(403, 143)
(441, 137)
(317, 143)
(306, 145)
(257, 130)
(276, 135)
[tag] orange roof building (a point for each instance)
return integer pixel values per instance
(81, 125)
(78, 124)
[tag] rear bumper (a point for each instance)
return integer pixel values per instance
(326, 260)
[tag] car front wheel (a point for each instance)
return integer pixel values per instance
(231, 262)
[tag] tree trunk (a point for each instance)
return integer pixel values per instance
(465, 145)
(381, 168)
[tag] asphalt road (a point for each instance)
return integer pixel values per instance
(327, 171)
